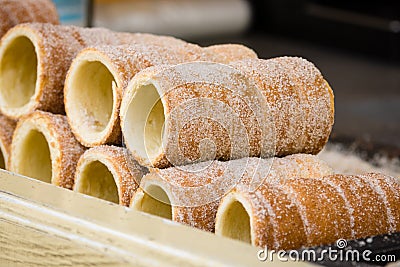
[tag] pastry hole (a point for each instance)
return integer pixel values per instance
(96, 180)
(90, 98)
(235, 222)
(18, 73)
(34, 158)
(145, 118)
(2, 160)
(155, 201)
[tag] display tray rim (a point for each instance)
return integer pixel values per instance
(108, 231)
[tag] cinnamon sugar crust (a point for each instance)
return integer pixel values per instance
(194, 112)
(300, 101)
(35, 58)
(200, 111)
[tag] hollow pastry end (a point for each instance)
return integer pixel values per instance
(44, 148)
(143, 122)
(153, 199)
(95, 179)
(34, 151)
(20, 72)
(234, 218)
(90, 99)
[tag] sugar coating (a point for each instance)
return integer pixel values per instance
(205, 100)
(57, 46)
(227, 53)
(124, 62)
(143, 51)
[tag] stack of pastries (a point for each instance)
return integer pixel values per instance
(211, 137)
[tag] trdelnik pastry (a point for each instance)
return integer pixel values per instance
(192, 112)
(301, 212)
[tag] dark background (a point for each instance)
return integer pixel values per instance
(356, 45)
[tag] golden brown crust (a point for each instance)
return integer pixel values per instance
(7, 127)
(127, 172)
(13, 12)
(300, 102)
(372, 193)
(321, 211)
(124, 61)
(300, 212)
(65, 150)
(227, 53)
(195, 191)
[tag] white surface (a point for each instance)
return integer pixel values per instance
(347, 162)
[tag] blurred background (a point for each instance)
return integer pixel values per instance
(356, 45)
